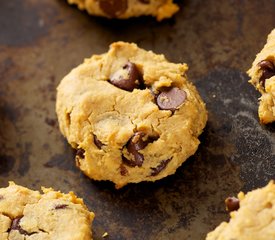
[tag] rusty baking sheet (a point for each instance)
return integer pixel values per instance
(41, 41)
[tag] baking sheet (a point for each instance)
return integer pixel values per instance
(41, 41)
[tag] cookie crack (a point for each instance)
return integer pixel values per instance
(6, 215)
(16, 227)
(44, 231)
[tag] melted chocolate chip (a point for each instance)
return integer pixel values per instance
(1, 197)
(232, 204)
(127, 78)
(123, 170)
(113, 8)
(171, 99)
(160, 167)
(268, 70)
(16, 226)
(144, 1)
(265, 64)
(133, 146)
(133, 163)
(98, 143)
(61, 206)
(80, 153)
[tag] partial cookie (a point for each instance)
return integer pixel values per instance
(131, 115)
(29, 215)
(262, 75)
(128, 8)
(252, 216)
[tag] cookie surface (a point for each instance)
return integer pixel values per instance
(128, 8)
(262, 75)
(27, 214)
(254, 220)
(131, 115)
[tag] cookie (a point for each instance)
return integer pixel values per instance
(123, 9)
(252, 216)
(27, 214)
(262, 75)
(132, 115)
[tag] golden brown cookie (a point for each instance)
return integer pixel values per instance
(27, 214)
(262, 75)
(252, 216)
(128, 8)
(132, 115)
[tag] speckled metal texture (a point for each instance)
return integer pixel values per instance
(41, 41)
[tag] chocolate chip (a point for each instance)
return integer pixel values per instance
(160, 167)
(123, 170)
(232, 204)
(265, 75)
(171, 99)
(80, 153)
(60, 206)
(265, 64)
(16, 226)
(1, 197)
(113, 8)
(144, 1)
(127, 78)
(133, 146)
(133, 163)
(268, 70)
(98, 143)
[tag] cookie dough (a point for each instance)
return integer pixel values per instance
(252, 218)
(128, 8)
(262, 75)
(28, 215)
(131, 115)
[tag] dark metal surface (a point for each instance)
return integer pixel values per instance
(41, 41)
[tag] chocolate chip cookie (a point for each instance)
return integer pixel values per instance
(128, 8)
(252, 216)
(130, 114)
(262, 75)
(27, 214)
